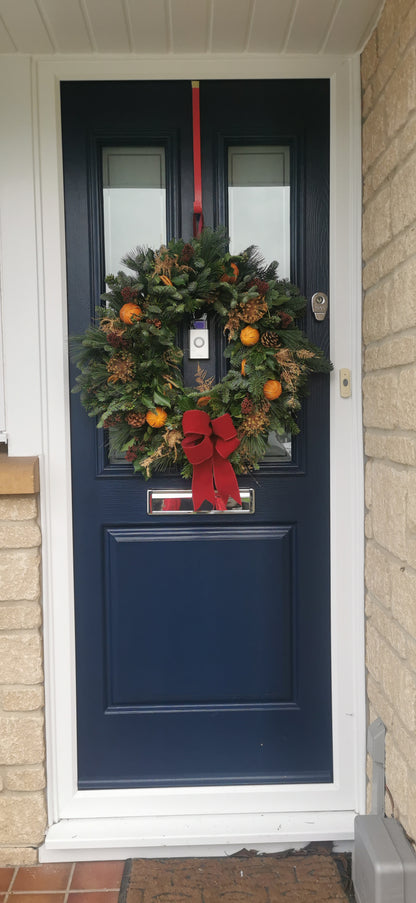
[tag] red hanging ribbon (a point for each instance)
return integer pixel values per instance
(198, 219)
(207, 445)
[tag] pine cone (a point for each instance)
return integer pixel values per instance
(270, 339)
(253, 310)
(136, 419)
(247, 406)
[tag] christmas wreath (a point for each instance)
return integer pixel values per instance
(130, 362)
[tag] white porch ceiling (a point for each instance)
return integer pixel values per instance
(186, 26)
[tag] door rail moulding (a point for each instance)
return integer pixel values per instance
(335, 803)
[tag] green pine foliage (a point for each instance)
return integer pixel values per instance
(128, 369)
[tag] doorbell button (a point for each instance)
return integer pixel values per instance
(198, 344)
(345, 382)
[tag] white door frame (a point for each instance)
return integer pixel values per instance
(174, 821)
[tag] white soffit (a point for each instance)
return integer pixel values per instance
(186, 26)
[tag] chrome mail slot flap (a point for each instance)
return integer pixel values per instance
(174, 501)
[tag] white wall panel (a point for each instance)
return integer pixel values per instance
(66, 25)
(3, 424)
(186, 26)
(353, 24)
(269, 26)
(25, 25)
(6, 43)
(108, 25)
(230, 26)
(310, 25)
(149, 26)
(18, 259)
(190, 23)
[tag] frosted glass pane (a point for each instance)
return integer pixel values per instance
(139, 170)
(132, 216)
(259, 202)
(259, 214)
(252, 167)
(134, 200)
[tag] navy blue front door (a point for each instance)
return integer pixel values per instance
(202, 642)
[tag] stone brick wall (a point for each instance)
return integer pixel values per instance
(389, 334)
(22, 774)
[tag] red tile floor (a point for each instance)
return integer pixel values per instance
(63, 882)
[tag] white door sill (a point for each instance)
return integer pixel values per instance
(196, 835)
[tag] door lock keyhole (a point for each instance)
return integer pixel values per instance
(319, 304)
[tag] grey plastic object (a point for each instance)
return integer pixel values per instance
(383, 862)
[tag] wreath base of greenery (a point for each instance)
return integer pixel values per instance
(130, 363)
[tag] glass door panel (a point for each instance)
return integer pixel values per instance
(259, 214)
(134, 201)
(259, 202)
(134, 210)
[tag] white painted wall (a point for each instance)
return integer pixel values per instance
(18, 259)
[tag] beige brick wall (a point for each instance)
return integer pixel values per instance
(389, 333)
(22, 770)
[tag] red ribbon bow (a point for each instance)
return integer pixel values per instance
(207, 445)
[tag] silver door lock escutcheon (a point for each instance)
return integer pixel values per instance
(319, 303)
